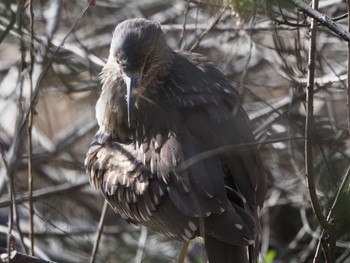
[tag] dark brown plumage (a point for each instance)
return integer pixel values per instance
(163, 115)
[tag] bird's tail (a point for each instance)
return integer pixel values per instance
(220, 252)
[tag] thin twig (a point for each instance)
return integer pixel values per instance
(246, 66)
(17, 257)
(11, 201)
(63, 141)
(10, 25)
(48, 64)
(30, 125)
(348, 78)
(285, 21)
(340, 17)
(141, 244)
(22, 120)
(341, 189)
(99, 232)
(47, 192)
(238, 147)
(207, 30)
(184, 24)
(11, 156)
(309, 126)
(183, 252)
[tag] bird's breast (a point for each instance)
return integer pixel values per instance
(132, 175)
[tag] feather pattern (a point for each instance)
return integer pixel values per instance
(184, 108)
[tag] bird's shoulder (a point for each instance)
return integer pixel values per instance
(204, 74)
(197, 59)
(193, 82)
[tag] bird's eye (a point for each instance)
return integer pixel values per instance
(117, 60)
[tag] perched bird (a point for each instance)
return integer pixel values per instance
(174, 151)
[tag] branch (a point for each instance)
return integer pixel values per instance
(309, 129)
(322, 18)
(348, 75)
(45, 192)
(30, 129)
(17, 257)
(99, 232)
(207, 30)
(341, 189)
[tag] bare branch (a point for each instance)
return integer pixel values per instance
(322, 18)
(49, 191)
(17, 257)
(30, 129)
(99, 231)
(309, 127)
(348, 70)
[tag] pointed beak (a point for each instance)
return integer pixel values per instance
(130, 84)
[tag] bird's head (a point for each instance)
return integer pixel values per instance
(139, 49)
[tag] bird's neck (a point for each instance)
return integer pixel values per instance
(111, 105)
(111, 113)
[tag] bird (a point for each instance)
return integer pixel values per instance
(175, 151)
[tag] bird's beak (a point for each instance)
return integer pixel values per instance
(130, 84)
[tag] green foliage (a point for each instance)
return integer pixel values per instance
(199, 260)
(270, 256)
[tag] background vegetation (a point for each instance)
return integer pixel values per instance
(51, 53)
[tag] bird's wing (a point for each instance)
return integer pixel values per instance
(215, 138)
(118, 170)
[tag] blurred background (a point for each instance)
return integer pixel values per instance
(51, 53)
